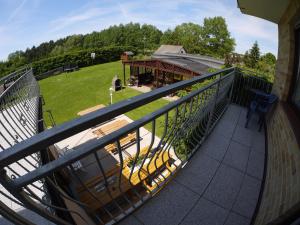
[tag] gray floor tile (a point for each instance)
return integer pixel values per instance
(258, 142)
(253, 122)
(243, 117)
(215, 146)
(243, 135)
(234, 219)
(237, 156)
(169, 206)
(198, 172)
(130, 220)
(224, 128)
(29, 215)
(247, 199)
(256, 164)
(206, 213)
(225, 186)
(232, 113)
(4, 221)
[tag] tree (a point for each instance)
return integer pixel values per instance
(168, 37)
(264, 66)
(246, 59)
(215, 37)
(188, 35)
(254, 55)
(268, 58)
(150, 35)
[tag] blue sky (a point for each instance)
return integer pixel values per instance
(24, 23)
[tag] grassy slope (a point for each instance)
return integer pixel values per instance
(67, 94)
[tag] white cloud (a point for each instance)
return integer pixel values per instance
(73, 18)
(16, 11)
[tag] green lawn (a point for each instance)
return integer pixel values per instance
(67, 94)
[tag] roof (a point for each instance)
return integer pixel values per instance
(262, 9)
(170, 49)
(208, 61)
(189, 64)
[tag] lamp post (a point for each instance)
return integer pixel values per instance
(111, 94)
(93, 55)
(144, 39)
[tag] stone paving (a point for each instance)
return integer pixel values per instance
(220, 184)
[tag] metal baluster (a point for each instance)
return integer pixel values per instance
(106, 183)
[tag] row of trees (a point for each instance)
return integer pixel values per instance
(211, 39)
(262, 64)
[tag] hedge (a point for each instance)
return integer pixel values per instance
(80, 58)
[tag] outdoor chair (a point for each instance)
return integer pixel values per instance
(261, 105)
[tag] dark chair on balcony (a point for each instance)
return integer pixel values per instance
(261, 105)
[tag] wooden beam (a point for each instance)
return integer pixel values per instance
(124, 75)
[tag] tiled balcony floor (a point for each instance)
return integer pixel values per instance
(221, 183)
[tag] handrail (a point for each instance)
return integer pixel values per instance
(58, 133)
(13, 74)
(251, 72)
(87, 148)
(2, 95)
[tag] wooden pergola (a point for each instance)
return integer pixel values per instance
(161, 72)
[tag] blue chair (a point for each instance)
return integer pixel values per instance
(261, 104)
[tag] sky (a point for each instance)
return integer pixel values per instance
(24, 23)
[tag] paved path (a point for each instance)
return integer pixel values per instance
(145, 89)
(221, 183)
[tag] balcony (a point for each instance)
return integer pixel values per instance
(219, 185)
(104, 167)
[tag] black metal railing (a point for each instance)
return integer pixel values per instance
(100, 167)
(19, 120)
(9, 79)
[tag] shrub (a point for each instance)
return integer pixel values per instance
(80, 58)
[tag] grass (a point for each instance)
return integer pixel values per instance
(68, 93)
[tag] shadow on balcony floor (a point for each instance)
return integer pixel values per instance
(220, 184)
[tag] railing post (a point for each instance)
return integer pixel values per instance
(207, 130)
(28, 202)
(12, 216)
(232, 85)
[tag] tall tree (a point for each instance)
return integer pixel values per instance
(188, 35)
(215, 37)
(268, 58)
(168, 37)
(254, 55)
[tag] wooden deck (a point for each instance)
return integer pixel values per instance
(148, 177)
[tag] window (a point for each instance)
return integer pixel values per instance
(295, 91)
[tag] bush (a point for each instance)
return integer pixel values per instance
(80, 58)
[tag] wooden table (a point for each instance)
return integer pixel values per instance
(111, 127)
(91, 109)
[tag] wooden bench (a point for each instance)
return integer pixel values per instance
(123, 142)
